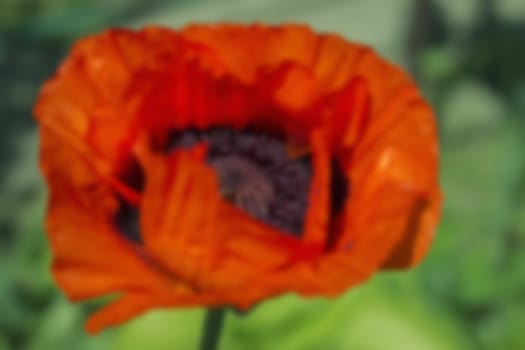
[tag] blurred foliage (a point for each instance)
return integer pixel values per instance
(468, 294)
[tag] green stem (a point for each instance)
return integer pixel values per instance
(212, 329)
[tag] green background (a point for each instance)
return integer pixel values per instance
(469, 293)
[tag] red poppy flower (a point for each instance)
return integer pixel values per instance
(222, 165)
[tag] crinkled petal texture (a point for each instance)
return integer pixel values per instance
(105, 122)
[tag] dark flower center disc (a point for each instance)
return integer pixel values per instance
(256, 174)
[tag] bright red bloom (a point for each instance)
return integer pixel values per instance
(107, 121)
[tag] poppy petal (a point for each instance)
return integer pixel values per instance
(237, 45)
(207, 246)
(121, 310)
(172, 212)
(133, 304)
(419, 234)
(317, 215)
(401, 145)
(80, 231)
(90, 257)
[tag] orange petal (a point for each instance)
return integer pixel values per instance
(201, 238)
(178, 211)
(133, 304)
(380, 216)
(86, 98)
(334, 61)
(418, 235)
(401, 145)
(90, 257)
(247, 249)
(126, 307)
(350, 117)
(317, 214)
(245, 49)
(79, 231)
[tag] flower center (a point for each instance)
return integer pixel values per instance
(254, 171)
(256, 174)
(244, 184)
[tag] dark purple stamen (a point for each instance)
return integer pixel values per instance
(256, 174)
